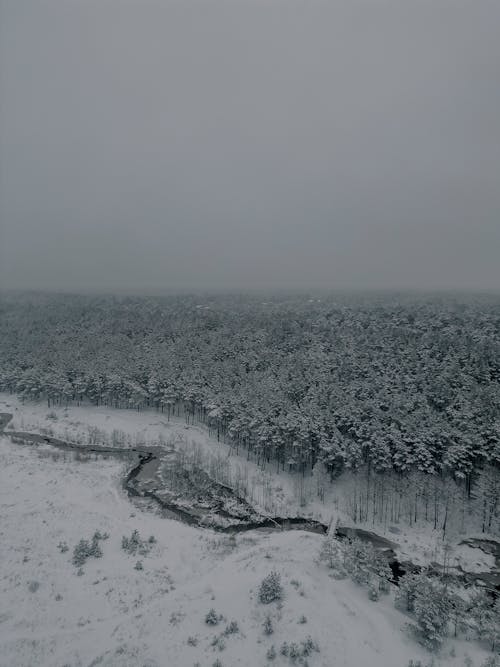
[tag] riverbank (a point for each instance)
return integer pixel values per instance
(269, 493)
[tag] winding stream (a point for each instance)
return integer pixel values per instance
(218, 507)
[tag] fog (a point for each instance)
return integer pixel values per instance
(249, 144)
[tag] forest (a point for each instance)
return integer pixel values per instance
(400, 391)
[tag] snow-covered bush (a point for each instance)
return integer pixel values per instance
(134, 545)
(407, 590)
(268, 625)
(486, 618)
(85, 549)
(432, 613)
(271, 653)
(270, 588)
(212, 617)
(231, 629)
(429, 601)
(359, 558)
(218, 642)
(332, 554)
(80, 553)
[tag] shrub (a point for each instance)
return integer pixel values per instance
(211, 618)
(80, 553)
(302, 619)
(63, 547)
(134, 545)
(271, 653)
(308, 646)
(95, 550)
(268, 626)
(232, 628)
(85, 549)
(192, 641)
(138, 565)
(218, 642)
(270, 588)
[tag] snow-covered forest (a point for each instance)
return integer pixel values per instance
(401, 393)
(373, 419)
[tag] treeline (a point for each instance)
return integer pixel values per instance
(387, 384)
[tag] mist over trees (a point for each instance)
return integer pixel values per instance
(404, 392)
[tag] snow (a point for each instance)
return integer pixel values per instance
(275, 494)
(116, 616)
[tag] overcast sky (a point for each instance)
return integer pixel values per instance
(249, 144)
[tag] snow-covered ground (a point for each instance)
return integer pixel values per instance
(115, 615)
(277, 494)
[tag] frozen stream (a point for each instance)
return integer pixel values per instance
(197, 500)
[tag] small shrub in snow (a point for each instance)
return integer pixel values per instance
(295, 583)
(134, 545)
(85, 549)
(218, 642)
(192, 641)
(212, 618)
(432, 612)
(231, 629)
(268, 626)
(80, 553)
(138, 565)
(131, 544)
(271, 653)
(302, 619)
(95, 550)
(270, 588)
(284, 649)
(100, 536)
(308, 646)
(217, 663)
(294, 651)
(373, 593)
(63, 547)
(331, 552)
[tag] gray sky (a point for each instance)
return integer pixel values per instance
(249, 144)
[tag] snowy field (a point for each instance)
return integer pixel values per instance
(275, 494)
(116, 615)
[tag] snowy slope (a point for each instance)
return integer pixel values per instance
(116, 615)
